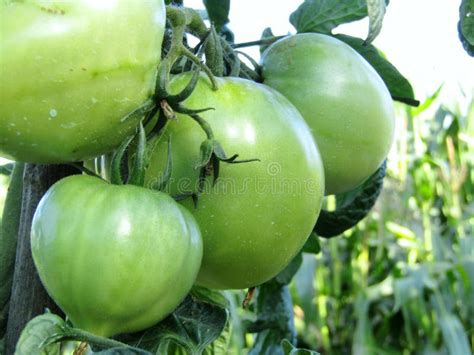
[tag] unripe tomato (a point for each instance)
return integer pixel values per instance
(257, 215)
(116, 259)
(342, 98)
(71, 71)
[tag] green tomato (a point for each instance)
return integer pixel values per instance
(341, 97)
(71, 71)
(116, 259)
(257, 215)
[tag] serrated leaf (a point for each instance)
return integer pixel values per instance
(211, 296)
(192, 327)
(466, 25)
(353, 209)
(376, 11)
(218, 12)
(274, 322)
(399, 87)
(324, 15)
(220, 345)
(36, 332)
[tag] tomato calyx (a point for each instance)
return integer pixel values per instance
(211, 154)
(137, 173)
(180, 19)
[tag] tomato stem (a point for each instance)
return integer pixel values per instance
(102, 342)
(180, 19)
(267, 40)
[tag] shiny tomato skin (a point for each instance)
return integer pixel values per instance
(116, 259)
(257, 215)
(71, 71)
(342, 98)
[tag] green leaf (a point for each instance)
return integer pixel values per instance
(399, 87)
(352, 207)
(211, 296)
(190, 329)
(218, 11)
(36, 332)
(466, 25)
(376, 10)
(287, 274)
(324, 15)
(274, 319)
(289, 349)
(312, 245)
(415, 111)
(221, 344)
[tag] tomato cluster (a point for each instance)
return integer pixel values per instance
(119, 258)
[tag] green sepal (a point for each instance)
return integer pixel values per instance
(220, 154)
(214, 53)
(211, 154)
(166, 176)
(142, 110)
(187, 91)
(191, 112)
(162, 83)
(205, 153)
(137, 175)
(117, 162)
